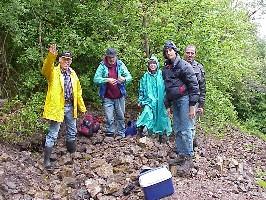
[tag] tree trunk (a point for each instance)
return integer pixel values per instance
(145, 35)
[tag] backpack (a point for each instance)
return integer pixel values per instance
(89, 125)
(131, 128)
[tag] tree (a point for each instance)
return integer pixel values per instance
(224, 36)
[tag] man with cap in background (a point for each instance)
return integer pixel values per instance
(63, 100)
(112, 76)
(190, 54)
(182, 93)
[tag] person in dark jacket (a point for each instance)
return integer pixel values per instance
(182, 94)
(190, 54)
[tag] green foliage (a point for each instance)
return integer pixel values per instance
(21, 121)
(89, 92)
(261, 178)
(220, 110)
(225, 40)
(30, 82)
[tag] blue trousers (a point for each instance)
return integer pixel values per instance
(115, 115)
(183, 126)
(54, 128)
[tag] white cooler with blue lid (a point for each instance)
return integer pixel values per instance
(156, 183)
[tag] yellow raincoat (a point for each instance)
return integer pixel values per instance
(55, 101)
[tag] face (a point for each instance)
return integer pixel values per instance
(190, 54)
(111, 60)
(65, 62)
(152, 67)
(170, 54)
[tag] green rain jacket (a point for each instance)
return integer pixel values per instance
(151, 97)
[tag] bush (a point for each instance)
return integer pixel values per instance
(22, 121)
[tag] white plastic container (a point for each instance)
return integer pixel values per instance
(156, 183)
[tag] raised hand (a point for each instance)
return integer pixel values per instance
(52, 49)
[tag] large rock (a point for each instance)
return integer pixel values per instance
(105, 170)
(93, 187)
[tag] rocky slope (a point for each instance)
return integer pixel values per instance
(102, 167)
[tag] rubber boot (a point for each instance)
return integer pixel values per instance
(47, 155)
(71, 146)
(185, 167)
(195, 142)
(180, 159)
(140, 131)
(160, 139)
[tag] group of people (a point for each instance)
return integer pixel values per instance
(178, 89)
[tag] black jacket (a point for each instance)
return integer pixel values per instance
(200, 74)
(180, 80)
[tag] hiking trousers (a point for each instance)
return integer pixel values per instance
(54, 127)
(183, 126)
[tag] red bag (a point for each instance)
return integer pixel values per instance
(89, 125)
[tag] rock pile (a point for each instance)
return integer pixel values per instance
(103, 167)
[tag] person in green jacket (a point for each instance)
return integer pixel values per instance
(112, 76)
(154, 116)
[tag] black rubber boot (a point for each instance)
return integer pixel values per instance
(140, 131)
(160, 139)
(47, 155)
(180, 159)
(71, 146)
(185, 167)
(195, 142)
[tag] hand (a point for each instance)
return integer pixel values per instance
(82, 114)
(121, 79)
(200, 111)
(192, 112)
(52, 49)
(112, 81)
(140, 106)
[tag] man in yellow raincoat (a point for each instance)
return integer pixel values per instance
(63, 100)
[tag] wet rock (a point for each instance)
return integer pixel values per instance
(80, 195)
(233, 163)
(5, 157)
(242, 187)
(219, 165)
(103, 197)
(145, 142)
(128, 159)
(67, 159)
(93, 187)
(11, 185)
(41, 195)
(65, 172)
(172, 164)
(105, 170)
(116, 161)
(240, 168)
(213, 174)
(97, 162)
(69, 182)
(111, 188)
